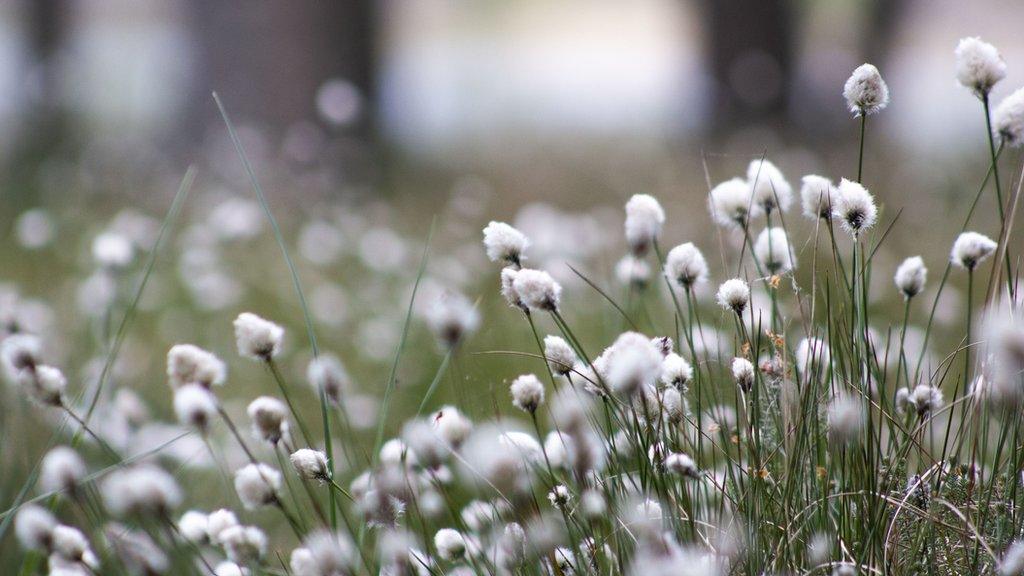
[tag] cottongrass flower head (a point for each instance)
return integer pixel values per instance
(560, 356)
(769, 189)
(504, 243)
(195, 407)
(527, 393)
(911, 276)
(845, 418)
(633, 363)
(772, 249)
(730, 204)
(69, 544)
(450, 544)
(644, 219)
(269, 418)
(733, 295)
(451, 425)
(327, 373)
(559, 496)
(676, 371)
(924, 399)
(971, 249)
(20, 353)
(193, 527)
(1012, 562)
(979, 66)
(257, 485)
(743, 373)
(244, 545)
(508, 290)
(228, 568)
(218, 521)
(257, 338)
(112, 250)
(139, 553)
(681, 464)
(144, 490)
(865, 91)
(45, 384)
(33, 527)
(452, 318)
(633, 271)
(62, 469)
(816, 196)
(188, 364)
(854, 207)
(331, 553)
(812, 352)
(537, 290)
(1008, 119)
(310, 464)
(685, 265)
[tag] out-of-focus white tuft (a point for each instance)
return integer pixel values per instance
(188, 364)
(257, 338)
(559, 496)
(1008, 119)
(644, 219)
(450, 544)
(451, 425)
(452, 318)
(812, 353)
(146, 490)
(327, 373)
(112, 250)
(730, 203)
(854, 207)
(195, 406)
(733, 295)
(537, 290)
(33, 527)
(62, 469)
(527, 393)
(631, 363)
(1012, 562)
(310, 464)
(505, 243)
(979, 66)
(193, 526)
(331, 552)
(244, 545)
(865, 91)
(676, 371)
(769, 189)
(772, 249)
(257, 485)
(971, 249)
(218, 521)
(681, 464)
(911, 276)
(816, 196)
(686, 265)
(845, 418)
(269, 418)
(633, 271)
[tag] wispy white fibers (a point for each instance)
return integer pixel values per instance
(33, 527)
(743, 373)
(269, 418)
(865, 91)
(188, 364)
(676, 371)
(845, 418)
(504, 243)
(979, 66)
(854, 207)
(62, 469)
(632, 363)
(537, 290)
(971, 249)
(730, 203)
(685, 265)
(257, 485)
(450, 544)
(257, 338)
(195, 406)
(327, 373)
(769, 189)
(561, 357)
(773, 250)
(816, 196)
(633, 271)
(193, 526)
(911, 276)
(527, 393)
(733, 295)
(1008, 119)
(1012, 562)
(142, 490)
(644, 219)
(112, 250)
(452, 317)
(924, 399)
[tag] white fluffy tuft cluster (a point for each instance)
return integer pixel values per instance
(676, 371)
(730, 203)
(845, 418)
(816, 196)
(773, 250)
(195, 406)
(769, 189)
(310, 464)
(145, 490)
(865, 91)
(257, 338)
(979, 65)
(633, 271)
(686, 265)
(452, 318)
(733, 295)
(450, 544)
(269, 418)
(527, 393)
(743, 373)
(537, 290)
(631, 364)
(257, 485)
(62, 469)
(1008, 119)
(188, 364)
(854, 207)
(911, 276)
(505, 243)
(327, 373)
(971, 249)
(560, 356)
(644, 219)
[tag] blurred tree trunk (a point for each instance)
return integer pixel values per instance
(267, 59)
(750, 56)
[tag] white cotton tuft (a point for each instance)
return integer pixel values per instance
(327, 373)
(45, 384)
(816, 196)
(681, 464)
(979, 66)
(924, 399)
(733, 295)
(537, 290)
(244, 545)
(730, 203)
(971, 249)
(1008, 119)
(451, 546)
(772, 249)
(20, 353)
(302, 562)
(854, 207)
(865, 91)
(769, 189)
(911, 276)
(193, 526)
(195, 406)
(686, 265)
(188, 364)
(451, 425)
(228, 568)
(676, 372)
(527, 393)
(452, 318)
(33, 527)
(145, 490)
(508, 290)
(69, 543)
(559, 496)
(560, 356)
(633, 363)
(217, 522)
(504, 243)
(257, 485)
(269, 418)
(257, 338)
(1012, 562)
(845, 419)
(633, 271)
(62, 469)
(112, 250)
(310, 464)
(812, 352)
(331, 552)
(743, 373)
(644, 219)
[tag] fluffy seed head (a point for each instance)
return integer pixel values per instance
(504, 243)
(69, 543)
(730, 203)
(1012, 562)
(508, 290)
(257, 485)
(33, 526)
(188, 364)
(537, 290)
(681, 464)
(451, 425)
(219, 521)
(112, 250)
(452, 318)
(244, 545)
(633, 363)
(644, 219)
(331, 553)
(925, 399)
(812, 352)
(145, 490)
(978, 65)
(559, 496)
(257, 338)
(195, 406)
(854, 207)
(269, 418)
(769, 189)
(633, 271)
(733, 295)
(45, 384)
(865, 91)
(20, 353)
(686, 265)
(61, 469)
(845, 418)
(527, 393)
(451, 546)
(772, 249)
(228, 568)
(327, 373)
(310, 464)
(561, 357)
(971, 249)
(743, 373)
(911, 276)
(1008, 119)
(676, 372)
(816, 196)
(192, 526)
